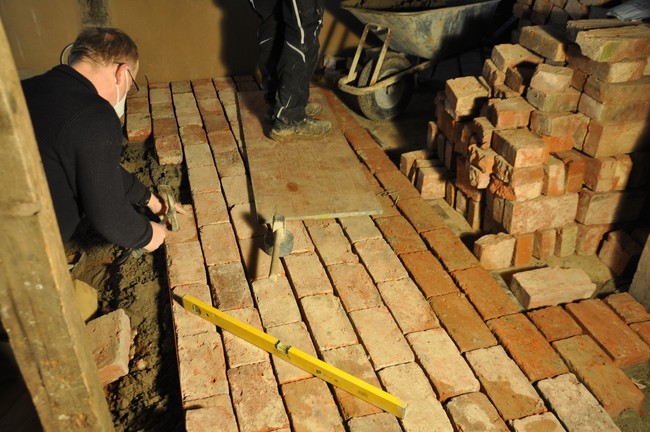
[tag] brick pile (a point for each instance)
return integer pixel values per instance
(549, 145)
(395, 299)
(558, 12)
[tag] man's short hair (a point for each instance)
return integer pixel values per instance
(105, 46)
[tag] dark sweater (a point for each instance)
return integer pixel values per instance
(80, 140)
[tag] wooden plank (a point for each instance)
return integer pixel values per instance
(37, 305)
(302, 178)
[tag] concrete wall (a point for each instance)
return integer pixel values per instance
(177, 39)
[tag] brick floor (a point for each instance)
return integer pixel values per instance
(395, 299)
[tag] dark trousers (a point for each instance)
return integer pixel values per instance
(288, 51)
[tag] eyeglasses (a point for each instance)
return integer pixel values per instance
(134, 88)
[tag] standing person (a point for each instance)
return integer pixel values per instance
(288, 52)
(75, 110)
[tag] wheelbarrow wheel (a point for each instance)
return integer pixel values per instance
(387, 102)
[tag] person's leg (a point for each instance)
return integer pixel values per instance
(270, 37)
(303, 21)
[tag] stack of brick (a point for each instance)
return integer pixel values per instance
(166, 139)
(548, 144)
(138, 117)
(556, 12)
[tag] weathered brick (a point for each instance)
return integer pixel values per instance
(353, 360)
(428, 274)
(210, 208)
(380, 260)
(430, 181)
(301, 240)
(381, 337)
(185, 263)
(375, 159)
(622, 71)
(544, 245)
(359, 138)
(219, 244)
(527, 347)
(395, 181)
(465, 95)
(229, 286)
(613, 138)
(229, 164)
(400, 235)
(186, 227)
(509, 55)
(382, 422)
(160, 94)
(474, 411)
(192, 135)
(564, 101)
(421, 214)
(407, 161)
(549, 286)
(643, 330)
(614, 93)
(328, 321)
(237, 190)
(168, 150)
(495, 250)
(549, 79)
(507, 113)
(484, 292)
(203, 179)
(609, 384)
(554, 180)
(575, 165)
(462, 322)
(198, 155)
(244, 221)
(518, 78)
(238, 351)
(589, 238)
(560, 124)
(318, 412)
(358, 228)
(443, 363)
(609, 207)
(574, 405)
(565, 240)
(275, 302)
(627, 308)
(138, 126)
(201, 367)
(217, 414)
(295, 335)
(407, 305)
(331, 244)
(450, 249)
(257, 263)
(185, 322)
(620, 343)
(492, 74)
(618, 250)
(547, 41)
(539, 213)
(255, 397)
(523, 249)
(545, 422)
(307, 274)
(505, 384)
(615, 44)
(354, 286)
(163, 111)
(408, 382)
(222, 141)
(110, 342)
(520, 147)
(483, 159)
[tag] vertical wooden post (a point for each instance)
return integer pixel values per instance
(37, 305)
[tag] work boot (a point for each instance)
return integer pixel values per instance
(312, 109)
(308, 127)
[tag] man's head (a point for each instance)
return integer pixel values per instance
(108, 57)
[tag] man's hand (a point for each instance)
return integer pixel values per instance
(159, 233)
(159, 207)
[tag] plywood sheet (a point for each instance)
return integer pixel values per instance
(302, 178)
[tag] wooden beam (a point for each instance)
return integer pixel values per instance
(37, 306)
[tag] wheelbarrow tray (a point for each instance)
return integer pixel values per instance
(434, 30)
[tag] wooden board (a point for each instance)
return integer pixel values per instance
(302, 178)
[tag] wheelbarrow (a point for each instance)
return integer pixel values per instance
(427, 30)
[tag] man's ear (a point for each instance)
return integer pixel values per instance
(120, 73)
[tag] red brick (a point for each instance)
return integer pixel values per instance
(609, 384)
(187, 323)
(512, 394)
(616, 92)
(548, 286)
(380, 260)
(222, 141)
(483, 159)
(484, 292)
(255, 397)
(381, 337)
(492, 74)
(138, 104)
(462, 322)
(181, 86)
(442, 362)
(421, 214)
(209, 105)
(161, 94)
(495, 251)
(554, 323)
(560, 124)
(643, 330)
(359, 138)
(430, 181)
(465, 95)
(509, 113)
(523, 249)
(520, 147)
(407, 305)
(201, 367)
(138, 126)
(393, 180)
(408, 159)
(210, 208)
(620, 343)
(627, 308)
(219, 244)
(618, 250)
(549, 79)
(238, 351)
(185, 264)
(229, 164)
(566, 239)
(353, 360)
(198, 155)
(474, 411)
(331, 244)
(343, 118)
(316, 412)
(518, 78)
(400, 235)
(540, 213)
(509, 55)
(257, 263)
(110, 341)
(359, 228)
(203, 179)
(354, 286)
(527, 182)
(613, 138)
(606, 45)
(609, 207)
(527, 347)
(576, 164)
(628, 111)
(589, 238)
(186, 227)
(307, 274)
(163, 111)
(428, 274)
(564, 101)
(193, 135)
(238, 190)
(217, 414)
(630, 70)
(554, 179)
(376, 159)
(301, 240)
(168, 150)
(450, 249)
(600, 173)
(245, 222)
(544, 246)
(275, 301)
(229, 286)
